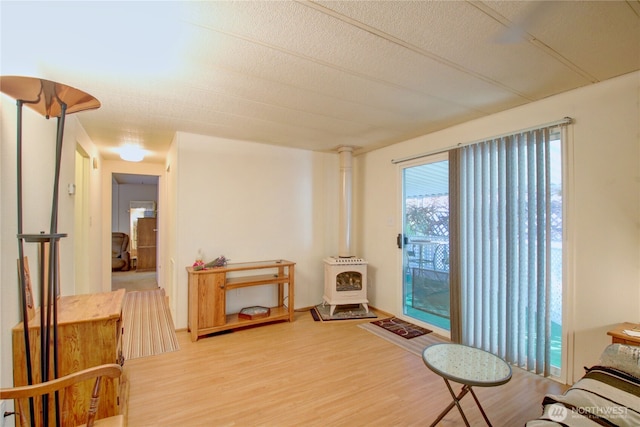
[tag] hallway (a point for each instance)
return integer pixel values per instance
(133, 281)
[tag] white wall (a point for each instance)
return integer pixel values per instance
(603, 223)
(170, 215)
(252, 202)
(91, 270)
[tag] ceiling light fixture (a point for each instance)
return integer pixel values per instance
(131, 153)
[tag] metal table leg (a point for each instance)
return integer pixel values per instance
(456, 402)
(480, 407)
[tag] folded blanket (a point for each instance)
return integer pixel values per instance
(623, 357)
(605, 396)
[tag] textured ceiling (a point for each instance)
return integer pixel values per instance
(312, 75)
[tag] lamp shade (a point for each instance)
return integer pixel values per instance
(45, 96)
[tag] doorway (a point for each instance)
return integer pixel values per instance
(134, 198)
(425, 214)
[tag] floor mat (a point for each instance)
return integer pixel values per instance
(401, 327)
(415, 345)
(341, 312)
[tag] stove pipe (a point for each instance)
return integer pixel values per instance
(346, 189)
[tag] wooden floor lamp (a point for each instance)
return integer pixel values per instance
(50, 99)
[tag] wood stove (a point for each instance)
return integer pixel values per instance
(345, 276)
(345, 282)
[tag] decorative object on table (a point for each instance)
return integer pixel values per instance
(49, 99)
(402, 328)
(255, 312)
(341, 312)
(199, 262)
(221, 261)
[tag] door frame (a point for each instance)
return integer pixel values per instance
(435, 157)
(81, 242)
(116, 166)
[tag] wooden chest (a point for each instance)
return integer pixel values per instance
(89, 331)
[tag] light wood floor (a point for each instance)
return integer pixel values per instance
(308, 373)
(133, 280)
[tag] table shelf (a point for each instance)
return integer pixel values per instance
(263, 279)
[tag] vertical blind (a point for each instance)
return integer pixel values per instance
(505, 247)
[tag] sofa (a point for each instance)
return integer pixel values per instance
(120, 258)
(608, 394)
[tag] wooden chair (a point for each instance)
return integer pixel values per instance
(21, 395)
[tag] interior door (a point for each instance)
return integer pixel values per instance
(146, 244)
(425, 213)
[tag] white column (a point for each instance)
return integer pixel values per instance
(346, 190)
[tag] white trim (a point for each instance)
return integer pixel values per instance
(568, 256)
(416, 161)
(564, 121)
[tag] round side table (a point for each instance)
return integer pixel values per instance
(468, 366)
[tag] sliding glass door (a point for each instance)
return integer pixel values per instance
(485, 261)
(425, 207)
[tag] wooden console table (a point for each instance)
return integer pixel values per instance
(619, 337)
(207, 295)
(89, 331)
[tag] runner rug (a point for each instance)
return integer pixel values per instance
(415, 345)
(148, 326)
